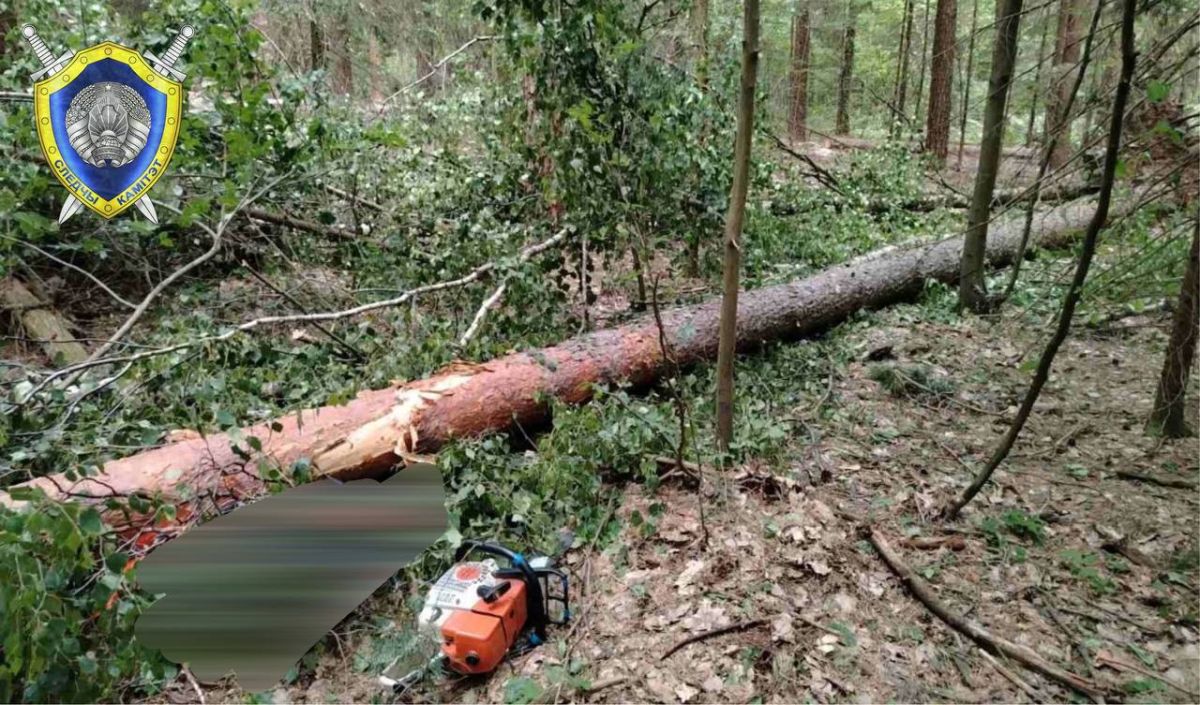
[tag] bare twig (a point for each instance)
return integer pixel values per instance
(484, 307)
(403, 298)
(1106, 659)
(293, 301)
(434, 69)
(739, 627)
(217, 235)
(191, 679)
(294, 223)
(1012, 677)
(95, 280)
(492, 300)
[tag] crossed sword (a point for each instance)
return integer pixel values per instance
(164, 66)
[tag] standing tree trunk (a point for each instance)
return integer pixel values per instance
(798, 110)
(375, 61)
(972, 287)
(846, 76)
(921, 66)
(1167, 418)
(342, 79)
(316, 45)
(941, 80)
(1090, 237)
(1066, 54)
(699, 20)
(699, 28)
(901, 91)
(1037, 86)
(970, 74)
(727, 339)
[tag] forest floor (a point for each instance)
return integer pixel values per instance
(1097, 571)
(1036, 559)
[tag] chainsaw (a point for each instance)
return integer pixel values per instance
(481, 611)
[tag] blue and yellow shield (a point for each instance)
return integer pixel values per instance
(108, 123)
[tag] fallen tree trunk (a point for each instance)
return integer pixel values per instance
(370, 435)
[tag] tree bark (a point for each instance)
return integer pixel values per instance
(699, 30)
(901, 91)
(1037, 86)
(699, 21)
(375, 61)
(1071, 299)
(967, 77)
(342, 79)
(798, 112)
(369, 435)
(1066, 54)
(316, 45)
(972, 288)
(941, 80)
(734, 221)
(1168, 417)
(846, 76)
(921, 66)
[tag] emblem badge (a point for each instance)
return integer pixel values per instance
(108, 119)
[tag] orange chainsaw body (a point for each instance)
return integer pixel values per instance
(475, 640)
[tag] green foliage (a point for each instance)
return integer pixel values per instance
(67, 609)
(1086, 566)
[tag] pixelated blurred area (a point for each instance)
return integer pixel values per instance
(251, 591)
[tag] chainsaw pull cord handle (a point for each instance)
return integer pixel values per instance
(535, 600)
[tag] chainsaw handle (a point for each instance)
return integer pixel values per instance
(536, 601)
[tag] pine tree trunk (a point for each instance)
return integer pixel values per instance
(342, 79)
(846, 77)
(901, 90)
(941, 79)
(972, 288)
(699, 29)
(1066, 54)
(699, 21)
(798, 113)
(375, 61)
(921, 66)
(1168, 417)
(316, 46)
(1037, 86)
(967, 78)
(727, 339)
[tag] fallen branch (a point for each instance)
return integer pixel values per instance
(306, 226)
(921, 590)
(1160, 481)
(491, 301)
(434, 69)
(351, 197)
(739, 627)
